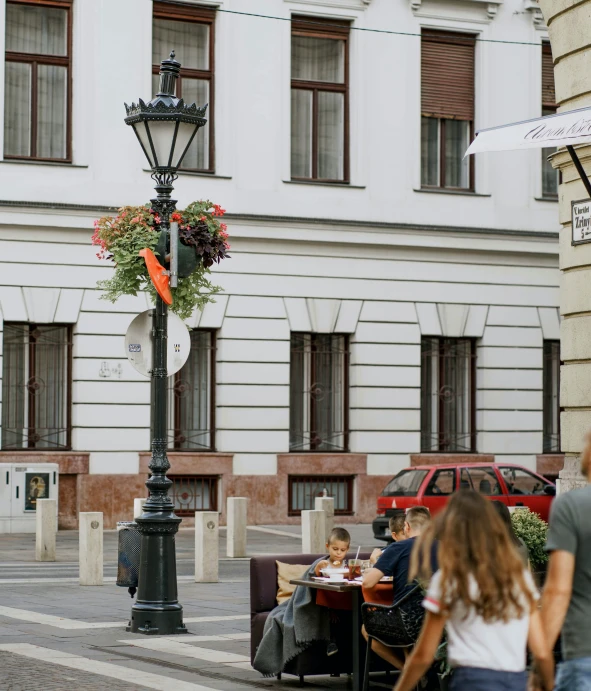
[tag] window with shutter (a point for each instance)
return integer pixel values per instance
(447, 109)
(550, 177)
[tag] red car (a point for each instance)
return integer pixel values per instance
(432, 485)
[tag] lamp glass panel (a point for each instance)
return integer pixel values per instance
(162, 132)
(142, 133)
(184, 134)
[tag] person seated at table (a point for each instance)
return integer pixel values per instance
(395, 562)
(396, 526)
(337, 546)
(294, 625)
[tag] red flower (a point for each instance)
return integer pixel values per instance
(176, 217)
(218, 211)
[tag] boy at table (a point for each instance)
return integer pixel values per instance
(394, 561)
(299, 622)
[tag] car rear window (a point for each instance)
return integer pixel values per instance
(405, 484)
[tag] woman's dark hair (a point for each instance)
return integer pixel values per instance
(505, 516)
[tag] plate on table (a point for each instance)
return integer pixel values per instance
(386, 579)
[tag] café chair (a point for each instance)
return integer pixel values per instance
(395, 626)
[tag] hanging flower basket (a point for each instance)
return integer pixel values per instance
(203, 241)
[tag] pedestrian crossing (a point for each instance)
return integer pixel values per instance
(184, 648)
(106, 669)
(72, 624)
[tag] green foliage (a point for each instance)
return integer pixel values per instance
(121, 238)
(533, 531)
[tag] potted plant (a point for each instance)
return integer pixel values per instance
(530, 528)
(203, 241)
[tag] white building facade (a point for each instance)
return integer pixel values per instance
(386, 302)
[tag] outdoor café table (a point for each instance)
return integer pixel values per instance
(355, 590)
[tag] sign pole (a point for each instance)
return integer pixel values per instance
(157, 609)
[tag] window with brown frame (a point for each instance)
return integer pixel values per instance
(319, 392)
(447, 109)
(303, 490)
(193, 493)
(189, 31)
(36, 386)
(550, 177)
(37, 95)
(448, 395)
(320, 100)
(191, 407)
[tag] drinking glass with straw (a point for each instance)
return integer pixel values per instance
(355, 566)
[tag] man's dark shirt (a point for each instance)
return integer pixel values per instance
(395, 562)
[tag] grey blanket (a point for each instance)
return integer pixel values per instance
(291, 628)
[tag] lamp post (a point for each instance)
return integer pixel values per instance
(165, 128)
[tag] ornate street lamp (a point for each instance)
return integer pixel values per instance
(165, 128)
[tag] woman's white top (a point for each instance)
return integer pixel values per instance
(472, 642)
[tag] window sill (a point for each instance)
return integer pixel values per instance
(26, 162)
(196, 173)
(442, 190)
(320, 183)
(553, 200)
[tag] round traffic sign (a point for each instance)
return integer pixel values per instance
(138, 343)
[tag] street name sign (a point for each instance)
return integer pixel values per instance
(581, 221)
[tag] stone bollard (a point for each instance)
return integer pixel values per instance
(326, 504)
(91, 548)
(138, 507)
(46, 529)
(206, 546)
(313, 534)
(236, 533)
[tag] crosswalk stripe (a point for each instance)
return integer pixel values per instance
(105, 669)
(175, 647)
(70, 624)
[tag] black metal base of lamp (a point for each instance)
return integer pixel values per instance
(157, 609)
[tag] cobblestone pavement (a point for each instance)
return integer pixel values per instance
(57, 635)
(17, 675)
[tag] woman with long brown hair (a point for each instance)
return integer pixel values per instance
(484, 598)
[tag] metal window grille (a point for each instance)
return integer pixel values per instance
(36, 386)
(191, 397)
(319, 405)
(448, 381)
(551, 388)
(191, 493)
(303, 490)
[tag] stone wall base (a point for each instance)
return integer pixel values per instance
(570, 476)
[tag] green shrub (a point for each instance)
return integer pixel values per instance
(533, 531)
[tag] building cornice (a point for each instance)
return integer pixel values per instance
(254, 219)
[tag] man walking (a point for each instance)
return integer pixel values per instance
(566, 600)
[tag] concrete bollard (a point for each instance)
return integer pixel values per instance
(91, 548)
(206, 546)
(236, 534)
(326, 504)
(138, 507)
(46, 529)
(313, 533)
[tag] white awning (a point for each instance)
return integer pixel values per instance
(562, 129)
